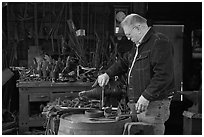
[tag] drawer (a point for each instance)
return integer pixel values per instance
(63, 95)
(36, 97)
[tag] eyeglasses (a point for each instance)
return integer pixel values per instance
(128, 34)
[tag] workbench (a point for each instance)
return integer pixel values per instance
(40, 93)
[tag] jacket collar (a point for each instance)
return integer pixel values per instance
(148, 35)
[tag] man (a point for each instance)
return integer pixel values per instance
(150, 72)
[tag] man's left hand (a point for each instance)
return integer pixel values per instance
(141, 104)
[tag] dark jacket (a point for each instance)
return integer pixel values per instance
(153, 72)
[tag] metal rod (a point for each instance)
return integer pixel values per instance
(102, 97)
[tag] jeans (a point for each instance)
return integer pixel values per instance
(157, 114)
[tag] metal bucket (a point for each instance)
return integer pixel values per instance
(79, 124)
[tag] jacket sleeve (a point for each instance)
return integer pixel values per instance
(120, 66)
(163, 69)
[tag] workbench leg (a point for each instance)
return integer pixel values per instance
(23, 112)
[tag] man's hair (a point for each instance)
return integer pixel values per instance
(133, 19)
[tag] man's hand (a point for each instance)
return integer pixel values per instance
(141, 104)
(102, 80)
(82, 94)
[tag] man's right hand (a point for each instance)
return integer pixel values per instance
(82, 94)
(102, 80)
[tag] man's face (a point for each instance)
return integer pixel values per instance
(132, 33)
